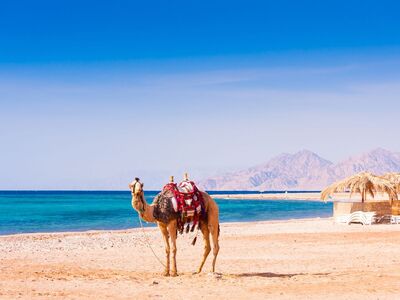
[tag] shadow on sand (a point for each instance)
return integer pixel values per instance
(278, 275)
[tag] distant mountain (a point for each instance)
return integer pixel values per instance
(378, 161)
(303, 170)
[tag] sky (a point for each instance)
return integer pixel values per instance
(94, 93)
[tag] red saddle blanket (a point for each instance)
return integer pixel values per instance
(187, 202)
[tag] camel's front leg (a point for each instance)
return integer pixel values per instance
(172, 233)
(164, 232)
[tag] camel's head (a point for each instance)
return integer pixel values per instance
(136, 188)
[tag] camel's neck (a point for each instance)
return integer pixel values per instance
(147, 213)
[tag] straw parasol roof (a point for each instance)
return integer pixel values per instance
(393, 178)
(364, 183)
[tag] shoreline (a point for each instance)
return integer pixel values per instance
(153, 227)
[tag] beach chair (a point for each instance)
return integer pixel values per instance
(365, 218)
(395, 219)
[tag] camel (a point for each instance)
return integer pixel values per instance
(208, 226)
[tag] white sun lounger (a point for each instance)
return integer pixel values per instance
(365, 218)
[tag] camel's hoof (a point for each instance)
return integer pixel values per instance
(165, 273)
(174, 274)
(196, 272)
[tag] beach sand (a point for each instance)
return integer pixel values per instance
(296, 259)
(305, 196)
(272, 196)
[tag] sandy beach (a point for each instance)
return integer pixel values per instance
(299, 259)
(273, 196)
(305, 196)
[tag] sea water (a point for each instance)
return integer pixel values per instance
(52, 211)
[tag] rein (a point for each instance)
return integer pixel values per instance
(146, 238)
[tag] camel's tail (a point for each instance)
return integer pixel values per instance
(195, 238)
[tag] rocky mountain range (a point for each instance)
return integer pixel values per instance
(304, 170)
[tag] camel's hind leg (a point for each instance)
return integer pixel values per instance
(214, 229)
(207, 247)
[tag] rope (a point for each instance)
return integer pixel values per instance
(148, 243)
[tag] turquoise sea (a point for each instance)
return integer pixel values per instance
(52, 211)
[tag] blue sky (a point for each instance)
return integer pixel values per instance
(93, 93)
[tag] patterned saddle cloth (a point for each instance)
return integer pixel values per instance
(182, 201)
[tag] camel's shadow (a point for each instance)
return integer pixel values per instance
(278, 275)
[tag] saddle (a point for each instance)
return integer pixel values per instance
(187, 202)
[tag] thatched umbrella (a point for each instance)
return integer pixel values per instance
(393, 178)
(363, 183)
